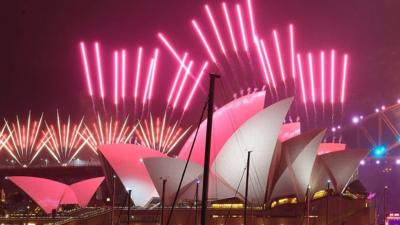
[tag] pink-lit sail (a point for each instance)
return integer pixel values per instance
(326, 148)
(224, 126)
(50, 194)
(85, 189)
(126, 161)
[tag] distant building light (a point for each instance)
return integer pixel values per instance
(376, 110)
(362, 162)
(379, 151)
(383, 107)
(355, 119)
(377, 162)
(398, 161)
(333, 129)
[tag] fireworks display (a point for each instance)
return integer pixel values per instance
(108, 132)
(65, 140)
(156, 134)
(277, 62)
(122, 91)
(22, 141)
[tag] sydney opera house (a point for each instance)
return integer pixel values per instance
(294, 177)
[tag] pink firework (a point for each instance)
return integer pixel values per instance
(344, 78)
(215, 28)
(65, 140)
(86, 68)
(195, 86)
(108, 132)
(138, 68)
(155, 134)
(204, 40)
(99, 70)
(23, 142)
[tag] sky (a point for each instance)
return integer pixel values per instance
(41, 68)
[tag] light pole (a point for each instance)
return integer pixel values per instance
(308, 204)
(113, 200)
(384, 202)
(196, 201)
(163, 201)
(206, 172)
(327, 201)
(247, 188)
(129, 205)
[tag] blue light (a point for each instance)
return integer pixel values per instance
(379, 151)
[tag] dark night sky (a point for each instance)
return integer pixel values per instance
(41, 69)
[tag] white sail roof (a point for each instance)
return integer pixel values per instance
(259, 134)
(171, 169)
(127, 162)
(296, 163)
(226, 121)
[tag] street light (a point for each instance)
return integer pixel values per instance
(113, 200)
(328, 183)
(384, 201)
(164, 182)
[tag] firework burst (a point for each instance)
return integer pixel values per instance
(65, 140)
(22, 141)
(235, 47)
(108, 132)
(155, 134)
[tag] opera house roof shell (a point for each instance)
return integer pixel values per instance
(283, 161)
